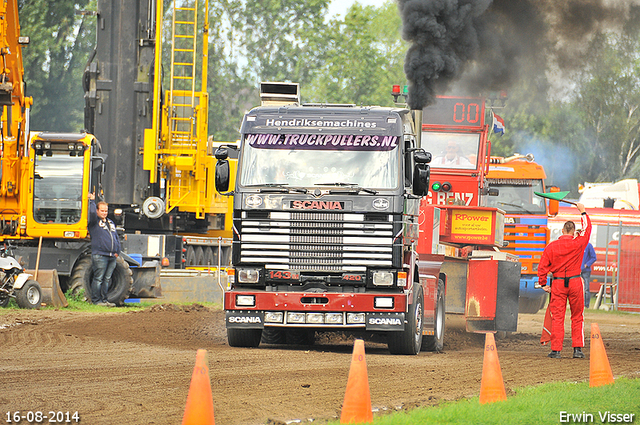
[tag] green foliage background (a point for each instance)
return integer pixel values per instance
(582, 126)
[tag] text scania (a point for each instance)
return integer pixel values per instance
(322, 140)
(385, 321)
(305, 122)
(316, 205)
(234, 319)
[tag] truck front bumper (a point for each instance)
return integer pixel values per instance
(369, 311)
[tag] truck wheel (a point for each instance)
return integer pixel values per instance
(30, 295)
(274, 336)
(301, 336)
(244, 337)
(209, 257)
(199, 256)
(119, 287)
(409, 341)
(435, 342)
(4, 302)
(528, 305)
(190, 257)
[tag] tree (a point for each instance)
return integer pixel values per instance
(608, 99)
(364, 57)
(60, 44)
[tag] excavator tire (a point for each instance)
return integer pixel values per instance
(119, 288)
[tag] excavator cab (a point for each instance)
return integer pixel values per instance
(62, 176)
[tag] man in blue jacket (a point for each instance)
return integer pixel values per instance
(587, 261)
(105, 247)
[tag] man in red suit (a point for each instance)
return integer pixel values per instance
(563, 258)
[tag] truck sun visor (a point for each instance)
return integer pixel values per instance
(322, 142)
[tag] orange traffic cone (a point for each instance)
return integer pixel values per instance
(599, 368)
(357, 400)
(492, 385)
(199, 408)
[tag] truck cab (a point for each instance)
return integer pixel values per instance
(326, 208)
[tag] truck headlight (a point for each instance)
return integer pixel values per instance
(274, 317)
(355, 318)
(382, 278)
(245, 300)
(315, 318)
(248, 276)
(294, 317)
(383, 302)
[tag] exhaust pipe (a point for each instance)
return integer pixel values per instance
(417, 123)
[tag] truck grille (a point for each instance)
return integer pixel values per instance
(312, 241)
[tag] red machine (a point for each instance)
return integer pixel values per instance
(481, 283)
(454, 131)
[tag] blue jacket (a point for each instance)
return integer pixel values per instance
(589, 257)
(104, 237)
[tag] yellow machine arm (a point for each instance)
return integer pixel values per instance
(177, 142)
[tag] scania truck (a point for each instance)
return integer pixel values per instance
(332, 231)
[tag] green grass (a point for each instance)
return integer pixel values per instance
(532, 405)
(77, 303)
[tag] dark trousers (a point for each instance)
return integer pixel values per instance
(586, 276)
(103, 267)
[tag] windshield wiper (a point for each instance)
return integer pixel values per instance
(277, 187)
(354, 188)
(517, 206)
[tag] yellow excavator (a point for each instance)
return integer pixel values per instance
(44, 175)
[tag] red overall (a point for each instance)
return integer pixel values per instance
(563, 258)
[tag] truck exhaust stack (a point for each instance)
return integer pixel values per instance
(417, 122)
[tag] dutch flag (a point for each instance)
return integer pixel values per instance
(498, 124)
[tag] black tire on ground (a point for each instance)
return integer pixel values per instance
(119, 288)
(199, 251)
(209, 257)
(244, 337)
(30, 295)
(435, 342)
(529, 305)
(190, 256)
(274, 336)
(409, 341)
(301, 336)
(4, 301)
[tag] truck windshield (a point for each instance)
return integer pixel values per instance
(517, 197)
(306, 160)
(452, 150)
(58, 188)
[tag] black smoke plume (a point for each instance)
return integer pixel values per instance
(487, 45)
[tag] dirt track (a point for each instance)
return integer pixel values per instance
(135, 367)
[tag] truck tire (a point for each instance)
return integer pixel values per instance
(409, 341)
(274, 336)
(529, 305)
(301, 336)
(209, 257)
(199, 251)
(190, 256)
(244, 337)
(30, 295)
(435, 342)
(119, 288)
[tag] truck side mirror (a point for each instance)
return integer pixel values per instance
(221, 153)
(422, 157)
(421, 173)
(222, 175)
(554, 206)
